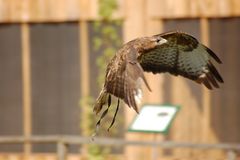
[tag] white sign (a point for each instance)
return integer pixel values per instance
(154, 118)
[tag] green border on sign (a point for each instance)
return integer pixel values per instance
(158, 105)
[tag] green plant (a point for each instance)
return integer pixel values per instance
(106, 41)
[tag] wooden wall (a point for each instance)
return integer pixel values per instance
(141, 17)
(50, 10)
(73, 10)
(191, 9)
(194, 122)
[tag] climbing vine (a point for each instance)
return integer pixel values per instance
(106, 40)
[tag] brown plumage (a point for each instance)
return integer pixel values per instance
(174, 52)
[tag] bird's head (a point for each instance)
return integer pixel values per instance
(148, 43)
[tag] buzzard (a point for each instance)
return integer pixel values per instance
(177, 53)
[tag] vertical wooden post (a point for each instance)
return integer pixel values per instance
(208, 135)
(26, 79)
(138, 23)
(84, 68)
(154, 26)
(61, 151)
(206, 94)
(84, 6)
(84, 58)
(133, 27)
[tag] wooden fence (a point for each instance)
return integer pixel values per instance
(63, 142)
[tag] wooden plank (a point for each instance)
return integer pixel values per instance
(185, 93)
(206, 98)
(204, 26)
(69, 10)
(61, 151)
(85, 88)
(235, 7)
(143, 25)
(84, 58)
(84, 6)
(207, 132)
(14, 11)
(26, 70)
(133, 27)
(72, 9)
(208, 135)
(194, 9)
(79, 140)
(156, 83)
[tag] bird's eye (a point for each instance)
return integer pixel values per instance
(161, 41)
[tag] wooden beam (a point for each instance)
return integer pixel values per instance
(204, 26)
(84, 6)
(133, 27)
(84, 59)
(26, 79)
(208, 134)
(153, 27)
(169, 9)
(138, 24)
(84, 69)
(62, 150)
(39, 11)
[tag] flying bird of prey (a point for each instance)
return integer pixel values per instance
(174, 52)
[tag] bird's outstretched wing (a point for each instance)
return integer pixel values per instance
(183, 55)
(125, 82)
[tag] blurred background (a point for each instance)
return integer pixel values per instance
(53, 55)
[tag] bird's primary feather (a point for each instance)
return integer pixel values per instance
(174, 52)
(183, 55)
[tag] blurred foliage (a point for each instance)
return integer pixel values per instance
(106, 41)
(106, 8)
(86, 122)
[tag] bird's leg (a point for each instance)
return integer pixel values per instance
(114, 117)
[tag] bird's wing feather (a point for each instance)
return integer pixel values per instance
(183, 55)
(125, 81)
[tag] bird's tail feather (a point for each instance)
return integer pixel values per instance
(101, 100)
